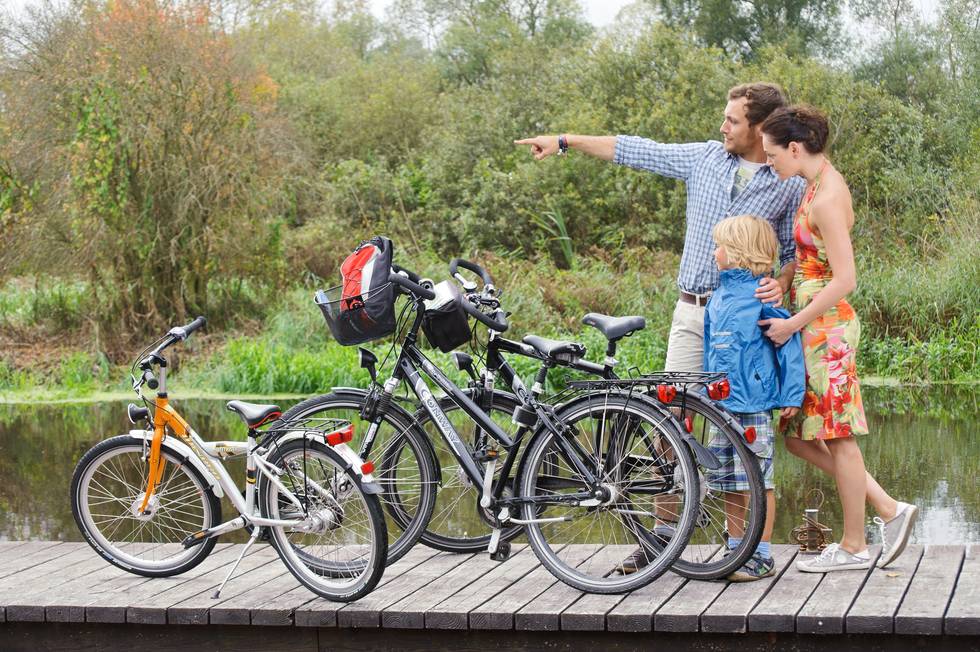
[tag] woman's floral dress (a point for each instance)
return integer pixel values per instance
(832, 404)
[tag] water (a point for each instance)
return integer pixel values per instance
(923, 449)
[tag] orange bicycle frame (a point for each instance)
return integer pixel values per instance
(164, 417)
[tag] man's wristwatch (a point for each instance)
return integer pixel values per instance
(562, 145)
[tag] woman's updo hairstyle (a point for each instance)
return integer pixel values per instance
(798, 124)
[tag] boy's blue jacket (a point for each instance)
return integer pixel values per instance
(762, 375)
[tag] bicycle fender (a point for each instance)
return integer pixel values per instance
(351, 459)
(184, 453)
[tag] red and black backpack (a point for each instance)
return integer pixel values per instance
(362, 308)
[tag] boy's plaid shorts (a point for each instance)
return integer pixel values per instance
(730, 476)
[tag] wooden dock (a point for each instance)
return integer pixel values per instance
(63, 596)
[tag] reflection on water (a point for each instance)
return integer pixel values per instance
(922, 449)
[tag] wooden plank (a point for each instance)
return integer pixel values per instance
(776, 612)
(323, 613)
(366, 612)
(262, 604)
(23, 557)
(50, 575)
(825, 611)
(682, 612)
(453, 612)
(543, 613)
(963, 615)
(113, 599)
(874, 609)
(729, 614)
(634, 613)
(187, 603)
(929, 593)
(410, 612)
(498, 612)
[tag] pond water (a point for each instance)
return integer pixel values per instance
(923, 449)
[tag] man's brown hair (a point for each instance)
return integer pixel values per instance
(762, 99)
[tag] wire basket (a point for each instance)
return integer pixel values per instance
(359, 318)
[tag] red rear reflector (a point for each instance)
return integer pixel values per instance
(341, 436)
(367, 468)
(750, 434)
(689, 424)
(666, 393)
(713, 392)
(725, 387)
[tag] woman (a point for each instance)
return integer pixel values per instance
(824, 432)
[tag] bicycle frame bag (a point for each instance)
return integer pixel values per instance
(444, 322)
(362, 308)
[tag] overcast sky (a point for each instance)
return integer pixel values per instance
(599, 12)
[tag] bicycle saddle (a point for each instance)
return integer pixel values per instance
(614, 327)
(553, 348)
(254, 415)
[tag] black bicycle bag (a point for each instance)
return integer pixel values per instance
(444, 322)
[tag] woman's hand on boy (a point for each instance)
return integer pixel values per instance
(778, 330)
(769, 291)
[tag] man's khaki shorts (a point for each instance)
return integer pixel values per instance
(685, 347)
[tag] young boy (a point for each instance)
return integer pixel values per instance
(762, 377)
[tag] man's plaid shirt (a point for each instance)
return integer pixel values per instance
(709, 172)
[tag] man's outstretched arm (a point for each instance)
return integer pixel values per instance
(602, 147)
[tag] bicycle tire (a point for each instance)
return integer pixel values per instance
(345, 559)
(693, 563)
(556, 546)
(405, 517)
(103, 478)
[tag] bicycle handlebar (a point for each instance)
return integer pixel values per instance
(456, 263)
(410, 284)
(488, 321)
(183, 332)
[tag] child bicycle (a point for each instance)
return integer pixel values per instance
(584, 486)
(149, 501)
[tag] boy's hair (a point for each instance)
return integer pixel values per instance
(749, 242)
(762, 98)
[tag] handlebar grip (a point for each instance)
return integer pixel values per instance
(411, 285)
(456, 263)
(150, 379)
(183, 332)
(487, 320)
(415, 278)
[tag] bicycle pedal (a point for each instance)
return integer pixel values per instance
(502, 553)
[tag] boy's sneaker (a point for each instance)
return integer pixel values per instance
(835, 558)
(754, 569)
(895, 533)
(641, 557)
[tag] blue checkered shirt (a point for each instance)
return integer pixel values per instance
(709, 172)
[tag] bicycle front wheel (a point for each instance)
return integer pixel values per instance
(646, 499)
(338, 551)
(107, 491)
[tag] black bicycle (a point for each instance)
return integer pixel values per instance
(586, 480)
(693, 399)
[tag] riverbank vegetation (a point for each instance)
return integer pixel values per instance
(161, 159)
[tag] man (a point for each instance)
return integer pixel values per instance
(723, 179)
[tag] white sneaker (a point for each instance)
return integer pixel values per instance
(835, 558)
(895, 533)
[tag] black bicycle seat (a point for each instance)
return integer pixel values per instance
(553, 348)
(254, 415)
(614, 327)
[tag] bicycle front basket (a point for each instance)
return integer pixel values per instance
(361, 318)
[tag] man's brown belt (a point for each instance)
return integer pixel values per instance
(695, 299)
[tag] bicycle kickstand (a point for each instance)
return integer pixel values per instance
(255, 535)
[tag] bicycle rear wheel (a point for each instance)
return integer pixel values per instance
(107, 490)
(342, 556)
(648, 492)
(707, 557)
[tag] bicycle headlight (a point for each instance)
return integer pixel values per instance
(136, 414)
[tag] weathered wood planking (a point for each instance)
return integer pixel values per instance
(827, 607)
(928, 596)
(874, 609)
(543, 613)
(776, 612)
(729, 614)
(682, 612)
(963, 615)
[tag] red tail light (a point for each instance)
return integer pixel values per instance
(750, 434)
(666, 393)
(341, 436)
(689, 424)
(367, 468)
(719, 391)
